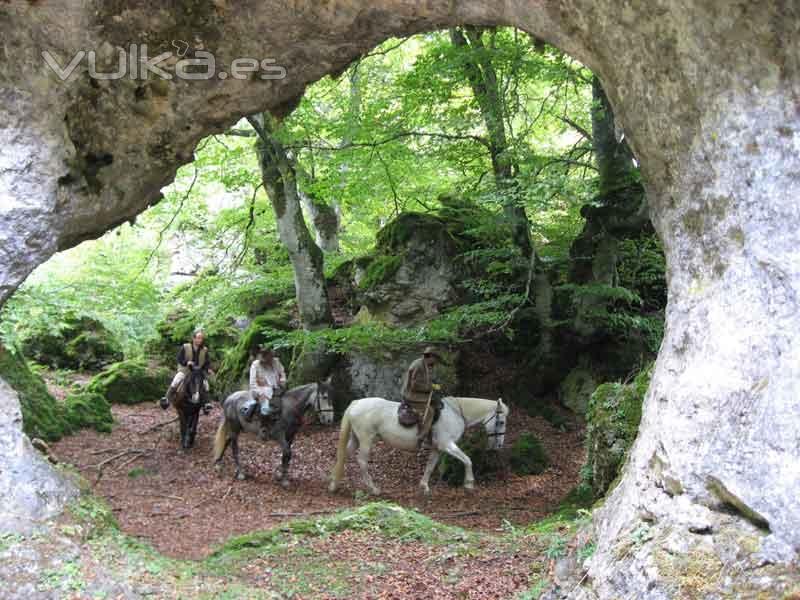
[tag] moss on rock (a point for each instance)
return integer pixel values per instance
(42, 415)
(88, 410)
(130, 382)
(613, 417)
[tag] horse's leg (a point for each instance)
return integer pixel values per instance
(235, 449)
(363, 463)
(433, 460)
(456, 452)
(286, 458)
(193, 426)
(184, 427)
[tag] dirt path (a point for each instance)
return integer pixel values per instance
(177, 502)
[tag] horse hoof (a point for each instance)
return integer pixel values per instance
(375, 491)
(332, 487)
(469, 486)
(241, 476)
(425, 491)
(285, 484)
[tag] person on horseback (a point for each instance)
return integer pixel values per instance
(192, 355)
(267, 382)
(418, 388)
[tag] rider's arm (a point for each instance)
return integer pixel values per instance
(254, 377)
(207, 365)
(182, 356)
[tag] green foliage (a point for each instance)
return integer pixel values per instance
(81, 343)
(88, 410)
(130, 382)
(615, 411)
(486, 464)
(528, 456)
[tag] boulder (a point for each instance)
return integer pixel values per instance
(613, 416)
(411, 276)
(576, 390)
(130, 382)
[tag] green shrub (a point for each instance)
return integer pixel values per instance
(528, 456)
(486, 464)
(130, 382)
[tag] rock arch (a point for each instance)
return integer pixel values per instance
(708, 92)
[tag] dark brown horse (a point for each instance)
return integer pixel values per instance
(294, 404)
(189, 399)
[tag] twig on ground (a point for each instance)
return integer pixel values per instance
(156, 426)
(230, 487)
(157, 495)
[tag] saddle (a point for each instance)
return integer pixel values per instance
(408, 417)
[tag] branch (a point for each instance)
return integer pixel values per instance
(576, 127)
(404, 134)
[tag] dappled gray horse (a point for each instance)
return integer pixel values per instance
(294, 404)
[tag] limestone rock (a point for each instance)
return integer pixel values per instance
(32, 490)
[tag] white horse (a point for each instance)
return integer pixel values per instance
(370, 418)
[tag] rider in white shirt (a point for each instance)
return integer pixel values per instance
(267, 382)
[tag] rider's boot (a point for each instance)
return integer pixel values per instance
(168, 398)
(248, 410)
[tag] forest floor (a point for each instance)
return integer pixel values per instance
(176, 517)
(178, 502)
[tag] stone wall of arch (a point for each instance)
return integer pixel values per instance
(709, 94)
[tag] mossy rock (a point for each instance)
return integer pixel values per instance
(576, 390)
(613, 417)
(130, 382)
(528, 456)
(42, 415)
(88, 410)
(80, 343)
(264, 329)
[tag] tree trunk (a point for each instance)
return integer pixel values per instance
(280, 181)
(325, 218)
(483, 80)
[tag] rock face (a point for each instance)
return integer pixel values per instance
(412, 276)
(381, 374)
(707, 93)
(82, 343)
(31, 490)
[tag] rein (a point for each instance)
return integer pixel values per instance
(497, 413)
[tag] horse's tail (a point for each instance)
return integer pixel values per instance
(341, 451)
(221, 439)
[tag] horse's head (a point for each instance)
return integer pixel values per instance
(323, 402)
(195, 385)
(496, 425)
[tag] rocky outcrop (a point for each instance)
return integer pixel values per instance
(706, 92)
(31, 490)
(412, 275)
(130, 382)
(381, 373)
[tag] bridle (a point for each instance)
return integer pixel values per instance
(495, 415)
(318, 403)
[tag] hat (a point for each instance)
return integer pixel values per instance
(430, 350)
(263, 349)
